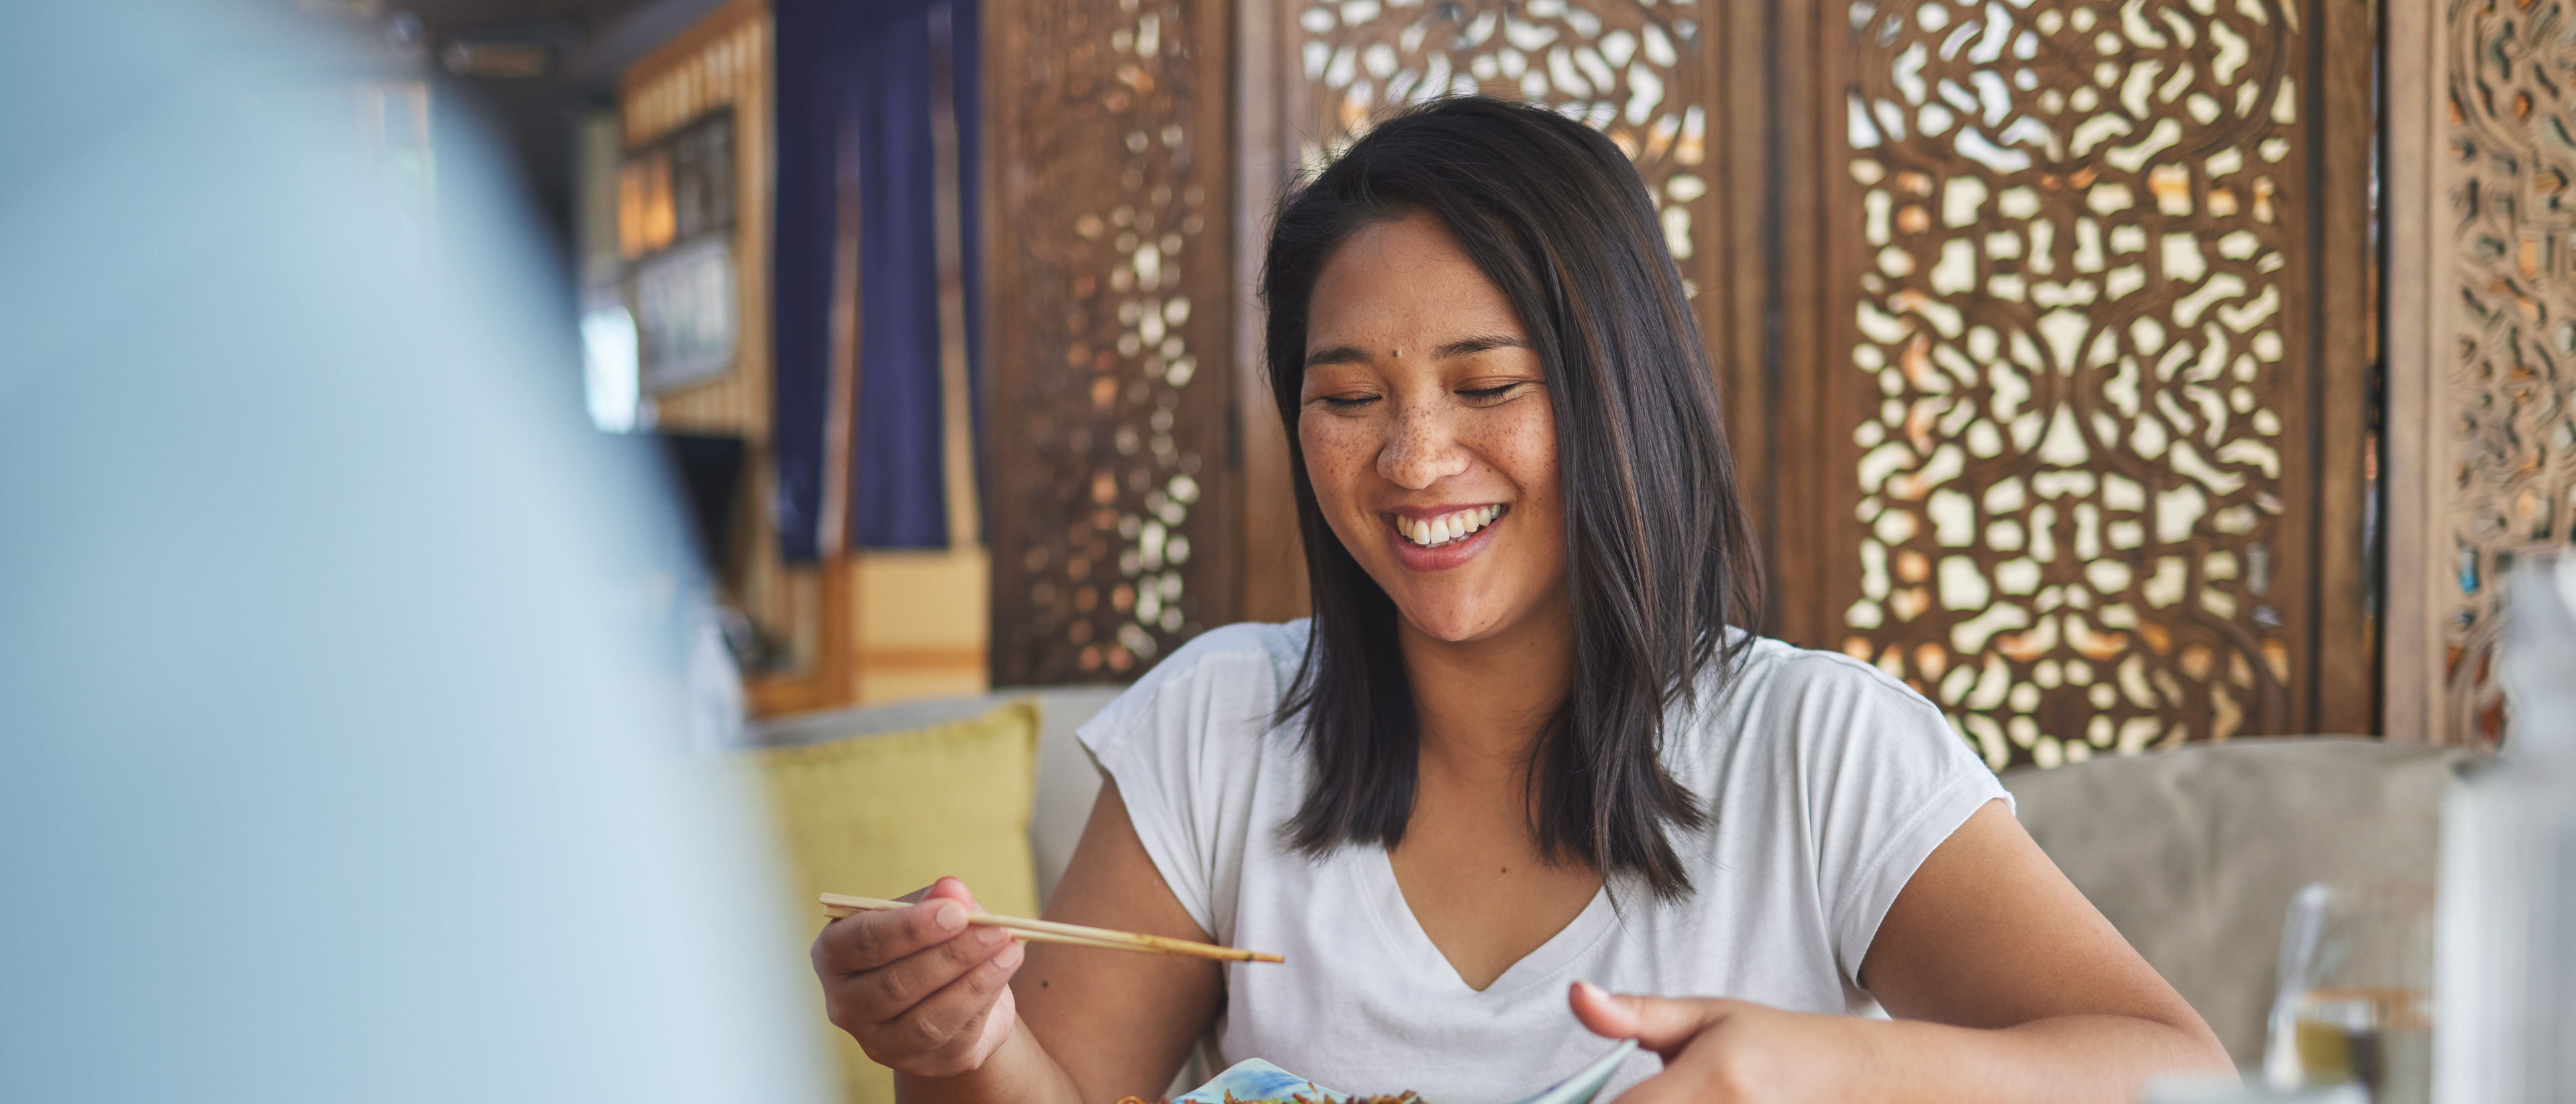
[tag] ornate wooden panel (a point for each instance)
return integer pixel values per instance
(2510, 371)
(2072, 363)
(1634, 68)
(1111, 522)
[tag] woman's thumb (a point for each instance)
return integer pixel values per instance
(1659, 1024)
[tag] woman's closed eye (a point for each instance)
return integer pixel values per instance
(1495, 393)
(1344, 402)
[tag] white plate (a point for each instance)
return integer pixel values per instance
(1256, 1080)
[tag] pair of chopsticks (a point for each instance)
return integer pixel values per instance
(1048, 931)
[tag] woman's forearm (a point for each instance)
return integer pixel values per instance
(2061, 1060)
(1719, 1049)
(1018, 1071)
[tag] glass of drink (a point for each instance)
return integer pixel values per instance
(2355, 999)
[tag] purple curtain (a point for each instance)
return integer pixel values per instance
(808, 119)
(856, 93)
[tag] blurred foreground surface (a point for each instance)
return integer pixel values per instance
(341, 665)
(2504, 1021)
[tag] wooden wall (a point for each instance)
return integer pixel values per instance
(2481, 342)
(1115, 466)
(2080, 411)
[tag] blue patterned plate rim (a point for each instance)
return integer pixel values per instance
(1252, 1081)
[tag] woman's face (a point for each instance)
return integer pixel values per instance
(1428, 435)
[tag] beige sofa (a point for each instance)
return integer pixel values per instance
(2193, 854)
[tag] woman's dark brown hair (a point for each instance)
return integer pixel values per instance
(1659, 557)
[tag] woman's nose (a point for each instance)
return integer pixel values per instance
(1421, 450)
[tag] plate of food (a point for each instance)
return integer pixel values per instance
(1257, 1082)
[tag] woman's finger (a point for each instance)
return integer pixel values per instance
(955, 1013)
(891, 990)
(1659, 1024)
(867, 940)
(945, 889)
(1601, 1013)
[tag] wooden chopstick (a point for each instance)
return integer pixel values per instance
(1048, 931)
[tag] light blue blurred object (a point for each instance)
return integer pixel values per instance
(1256, 1080)
(342, 665)
(2504, 982)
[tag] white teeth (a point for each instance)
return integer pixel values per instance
(1447, 527)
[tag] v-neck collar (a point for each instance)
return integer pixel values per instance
(1373, 872)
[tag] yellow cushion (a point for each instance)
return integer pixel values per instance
(881, 816)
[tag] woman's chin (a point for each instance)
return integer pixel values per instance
(1453, 624)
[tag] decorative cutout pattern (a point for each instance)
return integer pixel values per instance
(1109, 422)
(2075, 308)
(2515, 318)
(1632, 68)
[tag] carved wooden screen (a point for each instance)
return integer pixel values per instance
(1637, 69)
(2090, 454)
(2513, 323)
(1111, 523)
(2483, 331)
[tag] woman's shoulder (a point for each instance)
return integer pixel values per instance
(1190, 746)
(1227, 677)
(1816, 706)
(1232, 651)
(1770, 673)
(1840, 769)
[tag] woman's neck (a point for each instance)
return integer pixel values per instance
(1483, 703)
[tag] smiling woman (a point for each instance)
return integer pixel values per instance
(1523, 756)
(1520, 258)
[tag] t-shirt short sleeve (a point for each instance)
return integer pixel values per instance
(1185, 745)
(1886, 781)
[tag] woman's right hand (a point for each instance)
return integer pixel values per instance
(922, 992)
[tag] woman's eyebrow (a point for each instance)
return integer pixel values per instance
(1467, 346)
(1338, 354)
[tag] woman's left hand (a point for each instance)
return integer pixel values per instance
(1720, 1051)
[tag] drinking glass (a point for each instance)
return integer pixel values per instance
(2355, 997)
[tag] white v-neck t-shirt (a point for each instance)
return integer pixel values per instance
(1829, 783)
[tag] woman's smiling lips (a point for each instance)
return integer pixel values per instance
(1437, 538)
